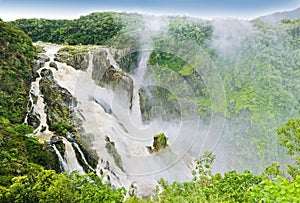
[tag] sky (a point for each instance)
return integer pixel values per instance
(62, 9)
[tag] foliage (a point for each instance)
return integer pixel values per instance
(62, 128)
(48, 186)
(280, 190)
(261, 82)
(19, 154)
(16, 59)
(232, 187)
(96, 28)
(289, 137)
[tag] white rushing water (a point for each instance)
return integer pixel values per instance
(82, 156)
(39, 106)
(125, 129)
(70, 157)
(69, 161)
(62, 161)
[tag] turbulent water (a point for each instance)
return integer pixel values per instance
(123, 127)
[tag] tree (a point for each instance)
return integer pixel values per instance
(289, 137)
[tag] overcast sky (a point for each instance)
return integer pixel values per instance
(54, 9)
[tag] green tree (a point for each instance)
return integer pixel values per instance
(289, 137)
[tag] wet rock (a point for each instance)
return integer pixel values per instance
(59, 101)
(53, 65)
(43, 129)
(55, 139)
(127, 58)
(159, 143)
(33, 119)
(132, 190)
(111, 149)
(70, 137)
(79, 61)
(35, 68)
(100, 64)
(46, 73)
(121, 83)
(42, 58)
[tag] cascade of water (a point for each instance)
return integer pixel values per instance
(40, 108)
(63, 163)
(89, 70)
(126, 155)
(111, 59)
(70, 157)
(82, 156)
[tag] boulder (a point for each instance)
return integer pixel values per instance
(53, 65)
(55, 140)
(42, 58)
(33, 119)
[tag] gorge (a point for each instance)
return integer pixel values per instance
(133, 107)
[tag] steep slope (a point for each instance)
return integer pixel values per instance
(19, 154)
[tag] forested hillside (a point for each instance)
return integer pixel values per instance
(257, 62)
(20, 154)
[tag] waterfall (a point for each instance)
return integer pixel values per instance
(111, 59)
(70, 158)
(69, 162)
(63, 163)
(82, 156)
(39, 107)
(89, 70)
(125, 158)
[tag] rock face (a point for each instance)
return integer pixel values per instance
(33, 119)
(127, 58)
(111, 149)
(166, 106)
(79, 61)
(59, 108)
(104, 73)
(100, 64)
(120, 83)
(59, 101)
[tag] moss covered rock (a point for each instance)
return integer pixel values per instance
(160, 142)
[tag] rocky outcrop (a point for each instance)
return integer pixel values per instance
(33, 119)
(40, 61)
(79, 61)
(59, 101)
(111, 149)
(58, 142)
(100, 64)
(119, 82)
(159, 143)
(127, 58)
(60, 114)
(42, 58)
(53, 65)
(104, 73)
